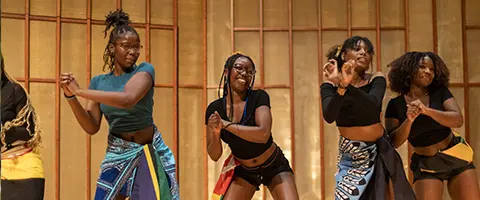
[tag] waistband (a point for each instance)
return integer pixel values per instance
(267, 162)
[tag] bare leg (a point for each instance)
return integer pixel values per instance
(239, 189)
(428, 189)
(283, 187)
(464, 186)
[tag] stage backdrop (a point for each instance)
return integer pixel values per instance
(188, 41)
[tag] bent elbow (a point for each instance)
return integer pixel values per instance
(127, 104)
(459, 123)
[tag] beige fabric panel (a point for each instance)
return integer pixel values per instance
(13, 48)
(275, 14)
(471, 12)
(41, 95)
(135, 9)
(391, 13)
(276, 56)
(13, 6)
(72, 137)
(392, 46)
(219, 43)
(420, 28)
(43, 7)
(190, 21)
(449, 26)
(334, 14)
(74, 9)
(100, 9)
(246, 13)
(42, 49)
(161, 55)
(281, 129)
(161, 12)
(473, 50)
(191, 139)
(307, 114)
(163, 115)
(304, 13)
(363, 13)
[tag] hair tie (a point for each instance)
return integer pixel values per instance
(339, 48)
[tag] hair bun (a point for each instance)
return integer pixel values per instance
(115, 19)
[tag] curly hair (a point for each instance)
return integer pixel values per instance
(336, 51)
(404, 69)
(120, 21)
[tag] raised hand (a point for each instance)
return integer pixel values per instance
(347, 72)
(412, 112)
(69, 83)
(422, 109)
(330, 71)
(215, 122)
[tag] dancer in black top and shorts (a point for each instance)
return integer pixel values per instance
(242, 119)
(424, 113)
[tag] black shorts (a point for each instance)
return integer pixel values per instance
(264, 173)
(444, 165)
(25, 189)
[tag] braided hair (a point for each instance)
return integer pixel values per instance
(120, 21)
(403, 71)
(225, 79)
(336, 51)
(25, 115)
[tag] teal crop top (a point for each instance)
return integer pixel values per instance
(126, 120)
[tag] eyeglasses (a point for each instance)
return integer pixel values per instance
(240, 70)
(129, 47)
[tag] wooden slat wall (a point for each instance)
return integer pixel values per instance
(188, 43)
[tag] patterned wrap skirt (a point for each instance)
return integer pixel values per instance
(145, 172)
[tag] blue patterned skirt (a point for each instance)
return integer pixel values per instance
(137, 171)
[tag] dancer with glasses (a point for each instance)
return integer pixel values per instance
(137, 163)
(242, 119)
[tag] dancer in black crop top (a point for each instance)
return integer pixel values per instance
(353, 99)
(424, 113)
(242, 119)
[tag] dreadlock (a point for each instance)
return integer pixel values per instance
(336, 51)
(227, 88)
(26, 114)
(120, 21)
(404, 69)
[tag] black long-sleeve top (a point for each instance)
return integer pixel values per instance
(358, 107)
(13, 100)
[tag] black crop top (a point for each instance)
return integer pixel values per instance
(425, 131)
(358, 107)
(13, 100)
(241, 148)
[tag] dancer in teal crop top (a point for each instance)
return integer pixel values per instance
(124, 120)
(137, 159)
